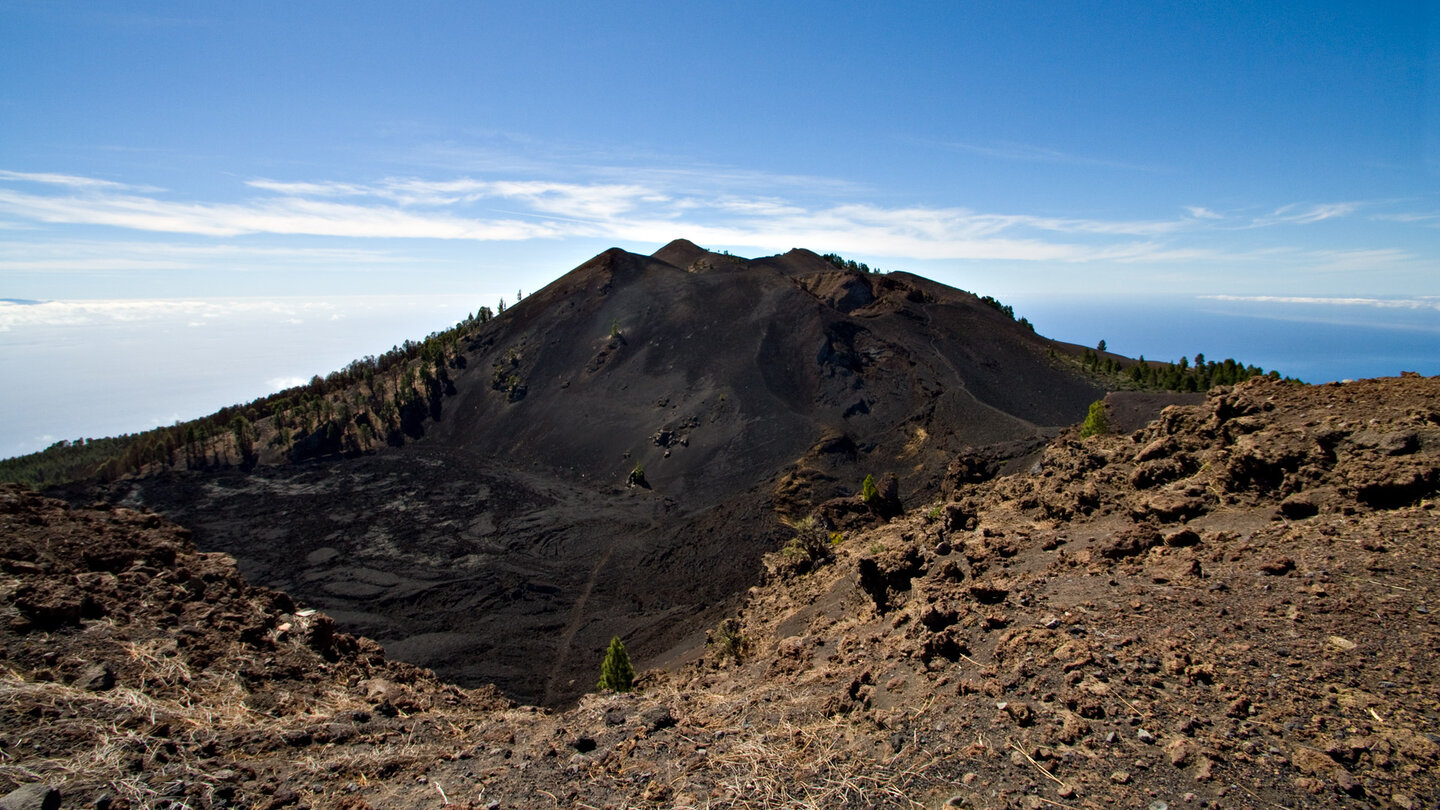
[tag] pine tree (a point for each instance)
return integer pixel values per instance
(616, 672)
(869, 493)
(1096, 421)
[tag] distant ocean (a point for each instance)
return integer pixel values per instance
(77, 369)
(1316, 341)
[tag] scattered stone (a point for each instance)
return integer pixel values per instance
(1347, 782)
(283, 797)
(1299, 506)
(989, 594)
(1182, 538)
(296, 738)
(98, 678)
(1312, 762)
(1020, 712)
(34, 796)
(1278, 567)
(1131, 542)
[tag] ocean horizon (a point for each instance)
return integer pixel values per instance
(95, 368)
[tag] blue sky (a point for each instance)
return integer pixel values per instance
(220, 150)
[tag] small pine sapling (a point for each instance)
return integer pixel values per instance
(615, 671)
(1097, 421)
(869, 493)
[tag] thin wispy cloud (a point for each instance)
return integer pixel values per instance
(1429, 218)
(665, 173)
(1030, 153)
(103, 255)
(1305, 214)
(1352, 261)
(282, 383)
(1419, 303)
(280, 215)
(69, 180)
(198, 312)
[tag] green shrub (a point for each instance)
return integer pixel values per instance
(1097, 421)
(615, 671)
(726, 641)
(811, 546)
(869, 493)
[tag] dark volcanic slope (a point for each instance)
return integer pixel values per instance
(752, 363)
(504, 545)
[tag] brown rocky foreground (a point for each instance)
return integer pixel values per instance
(1231, 607)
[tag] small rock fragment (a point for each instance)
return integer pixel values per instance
(1178, 752)
(34, 796)
(1181, 538)
(657, 718)
(1278, 567)
(98, 678)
